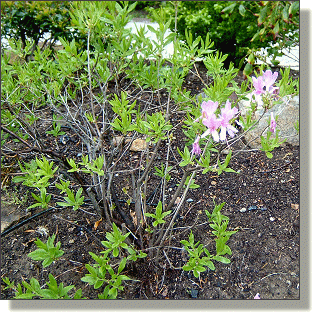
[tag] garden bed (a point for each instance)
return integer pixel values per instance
(262, 202)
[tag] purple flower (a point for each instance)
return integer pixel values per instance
(209, 119)
(196, 147)
(273, 123)
(257, 296)
(208, 108)
(258, 85)
(269, 79)
(264, 84)
(212, 123)
(226, 115)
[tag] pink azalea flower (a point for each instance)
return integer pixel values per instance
(264, 84)
(212, 123)
(269, 79)
(209, 119)
(208, 108)
(196, 147)
(273, 123)
(226, 115)
(258, 85)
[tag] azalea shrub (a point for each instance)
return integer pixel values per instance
(76, 87)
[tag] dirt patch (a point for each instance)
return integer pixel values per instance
(262, 202)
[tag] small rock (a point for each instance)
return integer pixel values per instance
(252, 208)
(288, 112)
(64, 139)
(272, 219)
(243, 210)
(177, 200)
(138, 145)
(263, 209)
(189, 200)
(194, 293)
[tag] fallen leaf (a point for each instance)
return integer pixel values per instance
(134, 217)
(295, 206)
(96, 224)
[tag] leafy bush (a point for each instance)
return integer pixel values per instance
(236, 27)
(88, 90)
(30, 20)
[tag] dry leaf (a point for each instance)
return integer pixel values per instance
(295, 206)
(96, 224)
(134, 217)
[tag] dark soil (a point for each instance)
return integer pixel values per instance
(262, 202)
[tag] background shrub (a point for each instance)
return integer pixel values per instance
(238, 27)
(30, 20)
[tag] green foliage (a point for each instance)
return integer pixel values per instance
(36, 173)
(125, 111)
(102, 273)
(42, 200)
(84, 83)
(236, 27)
(71, 200)
(224, 166)
(91, 167)
(33, 289)
(268, 143)
(46, 252)
(158, 216)
(56, 127)
(199, 256)
(196, 263)
(219, 225)
(156, 127)
(115, 241)
(30, 20)
(163, 172)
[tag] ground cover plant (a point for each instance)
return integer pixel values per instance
(117, 97)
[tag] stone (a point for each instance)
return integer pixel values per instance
(288, 113)
(137, 144)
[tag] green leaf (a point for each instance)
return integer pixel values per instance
(221, 259)
(229, 9)
(242, 10)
